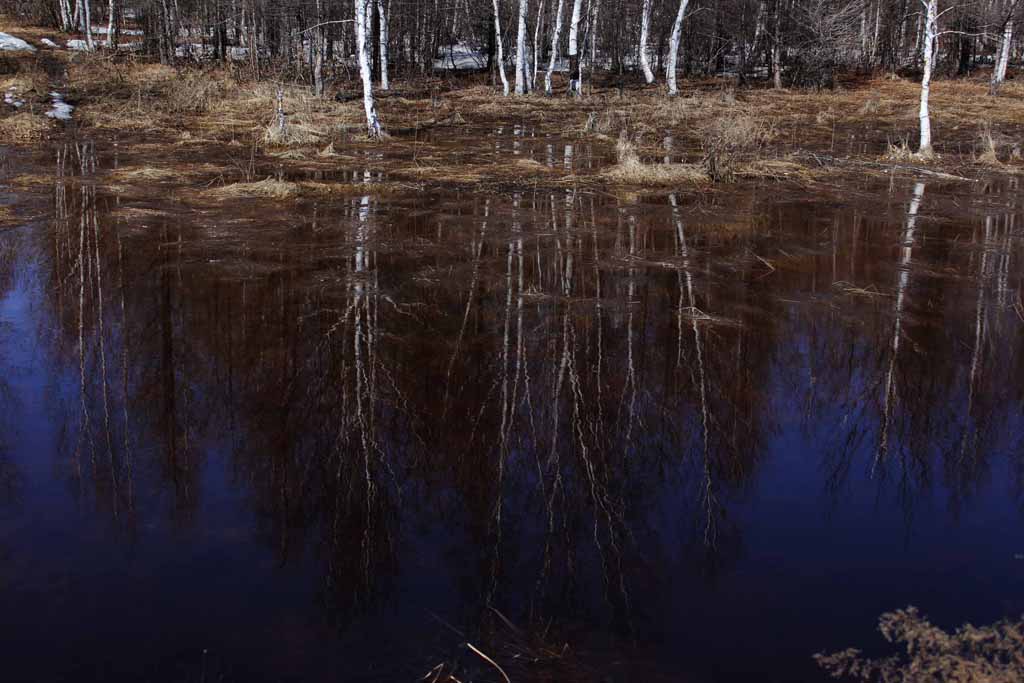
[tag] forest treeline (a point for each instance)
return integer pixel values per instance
(525, 43)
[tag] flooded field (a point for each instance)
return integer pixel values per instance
(600, 436)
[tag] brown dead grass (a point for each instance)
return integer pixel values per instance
(975, 654)
(24, 127)
(266, 188)
(630, 170)
(271, 188)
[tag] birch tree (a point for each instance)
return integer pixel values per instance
(522, 78)
(1003, 54)
(384, 16)
(556, 37)
(111, 25)
(929, 37)
(363, 49)
(575, 86)
(86, 18)
(673, 48)
(501, 52)
(645, 32)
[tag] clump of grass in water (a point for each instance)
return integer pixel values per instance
(899, 151)
(994, 654)
(728, 140)
(631, 170)
(268, 187)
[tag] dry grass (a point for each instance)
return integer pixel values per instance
(971, 654)
(899, 151)
(271, 188)
(631, 170)
(728, 140)
(24, 127)
(267, 188)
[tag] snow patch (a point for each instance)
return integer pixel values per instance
(123, 32)
(59, 109)
(459, 57)
(48, 43)
(9, 42)
(11, 98)
(77, 44)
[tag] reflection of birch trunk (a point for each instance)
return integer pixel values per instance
(709, 499)
(979, 337)
(630, 386)
(125, 340)
(85, 428)
(101, 334)
(902, 280)
(471, 292)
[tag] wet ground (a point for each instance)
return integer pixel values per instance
(694, 436)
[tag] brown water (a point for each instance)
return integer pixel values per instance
(695, 437)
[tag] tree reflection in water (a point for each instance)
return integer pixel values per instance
(550, 405)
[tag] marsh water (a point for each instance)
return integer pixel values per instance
(696, 436)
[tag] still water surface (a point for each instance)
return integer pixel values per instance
(697, 437)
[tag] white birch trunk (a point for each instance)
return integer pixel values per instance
(574, 47)
(362, 48)
(536, 45)
(930, 34)
(87, 22)
(501, 51)
(111, 25)
(66, 16)
(999, 73)
(522, 82)
(555, 38)
(645, 31)
(777, 47)
(673, 48)
(382, 12)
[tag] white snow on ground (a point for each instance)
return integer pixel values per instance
(77, 44)
(60, 109)
(11, 98)
(9, 42)
(48, 43)
(123, 32)
(461, 56)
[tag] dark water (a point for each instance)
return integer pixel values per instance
(694, 437)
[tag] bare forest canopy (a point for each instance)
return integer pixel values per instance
(555, 46)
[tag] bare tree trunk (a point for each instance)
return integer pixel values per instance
(111, 25)
(1003, 58)
(363, 50)
(645, 31)
(930, 34)
(673, 48)
(501, 51)
(555, 38)
(575, 86)
(536, 44)
(383, 14)
(522, 79)
(318, 39)
(66, 15)
(87, 23)
(777, 47)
